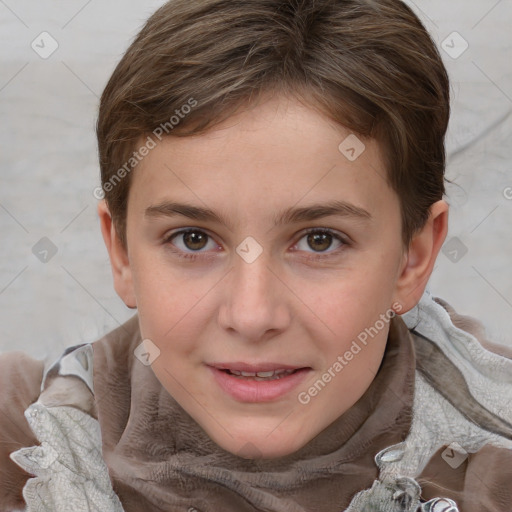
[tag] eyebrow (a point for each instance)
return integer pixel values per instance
(288, 216)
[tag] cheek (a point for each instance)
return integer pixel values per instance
(346, 307)
(354, 294)
(162, 295)
(170, 311)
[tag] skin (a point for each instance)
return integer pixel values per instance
(286, 306)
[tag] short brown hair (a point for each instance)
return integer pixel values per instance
(369, 65)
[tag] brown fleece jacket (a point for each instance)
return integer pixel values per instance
(159, 458)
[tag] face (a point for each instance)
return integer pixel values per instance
(258, 255)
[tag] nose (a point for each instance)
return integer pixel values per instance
(255, 304)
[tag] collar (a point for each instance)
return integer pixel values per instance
(159, 457)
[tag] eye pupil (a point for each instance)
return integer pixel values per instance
(324, 238)
(192, 238)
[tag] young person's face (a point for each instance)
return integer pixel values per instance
(250, 290)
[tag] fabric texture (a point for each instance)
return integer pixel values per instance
(20, 386)
(462, 403)
(68, 464)
(431, 434)
(155, 469)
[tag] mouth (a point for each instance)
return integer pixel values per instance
(261, 375)
(258, 382)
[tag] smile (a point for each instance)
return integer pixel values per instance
(257, 383)
(261, 376)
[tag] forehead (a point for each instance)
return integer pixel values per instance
(279, 153)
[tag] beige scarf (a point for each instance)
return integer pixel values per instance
(157, 458)
(160, 459)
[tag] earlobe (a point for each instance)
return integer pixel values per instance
(421, 256)
(119, 261)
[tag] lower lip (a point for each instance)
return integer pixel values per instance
(253, 391)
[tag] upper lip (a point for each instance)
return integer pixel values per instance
(255, 368)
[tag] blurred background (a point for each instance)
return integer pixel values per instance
(56, 57)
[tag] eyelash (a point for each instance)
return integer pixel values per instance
(315, 257)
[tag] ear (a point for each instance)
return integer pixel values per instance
(118, 255)
(421, 256)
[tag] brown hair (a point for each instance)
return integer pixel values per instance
(369, 65)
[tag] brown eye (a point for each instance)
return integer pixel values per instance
(195, 240)
(190, 241)
(319, 241)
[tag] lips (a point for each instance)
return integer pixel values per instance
(260, 382)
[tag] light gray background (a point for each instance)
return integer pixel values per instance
(48, 166)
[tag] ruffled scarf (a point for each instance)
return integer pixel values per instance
(160, 459)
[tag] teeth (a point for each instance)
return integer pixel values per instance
(266, 374)
(274, 374)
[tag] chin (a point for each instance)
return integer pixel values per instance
(259, 446)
